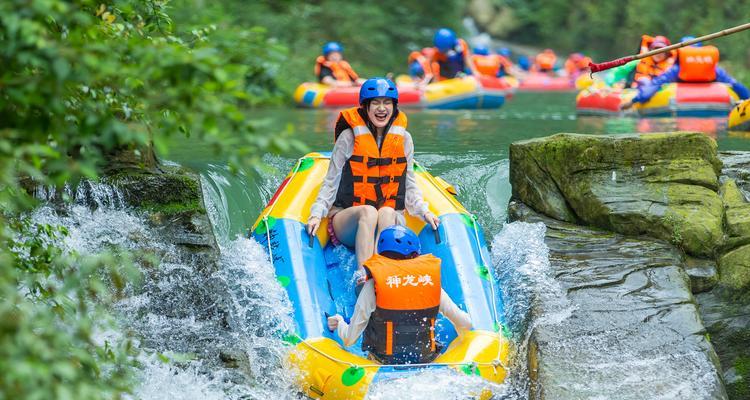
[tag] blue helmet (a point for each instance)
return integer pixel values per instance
(330, 47)
(481, 50)
(690, 37)
(445, 39)
(377, 87)
(399, 239)
(415, 69)
(504, 51)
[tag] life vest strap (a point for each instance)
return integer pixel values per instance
(373, 162)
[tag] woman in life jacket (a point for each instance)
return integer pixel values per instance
(695, 64)
(331, 68)
(399, 304)
(651, 67)
(370, 180)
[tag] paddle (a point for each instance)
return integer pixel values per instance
(620, 61)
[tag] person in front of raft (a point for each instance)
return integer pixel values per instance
(331, 68)
(398, 305)
(370, 179)
(695, 63)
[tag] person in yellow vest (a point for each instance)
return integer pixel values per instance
(399, 304)
(370, 180)
(331, 68)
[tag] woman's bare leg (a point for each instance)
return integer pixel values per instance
(355, 227)
(387, 216)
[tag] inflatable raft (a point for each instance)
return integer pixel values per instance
(458, 93)
(674, 99)
(318, 278)
(541, 82)
(739, 117)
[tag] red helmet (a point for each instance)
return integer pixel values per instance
(659, 42)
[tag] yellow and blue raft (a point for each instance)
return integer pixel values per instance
(318, 278)
(739, 117)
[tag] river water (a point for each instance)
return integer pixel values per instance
(467, 148)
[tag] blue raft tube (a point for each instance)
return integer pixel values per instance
(318, 278)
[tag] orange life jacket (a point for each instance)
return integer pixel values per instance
(373, 176)
(487, 65)
(407, 298)
(430, 68)
(546, 61)
(648, 69)
(341, 70)
(698, 64)
(575, 66)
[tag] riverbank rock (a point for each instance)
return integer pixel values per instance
(633, 329)
(662, 185)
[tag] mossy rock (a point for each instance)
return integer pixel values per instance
(175, 190)
(663, 185)
(734, 268)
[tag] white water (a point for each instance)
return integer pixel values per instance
(174, 313)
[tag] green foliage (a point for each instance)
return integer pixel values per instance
(53, 308)
(81, 82)
(377, 36)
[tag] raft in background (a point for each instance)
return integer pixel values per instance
(542, 82)
(459, 93)
(739, 117)
(673, 99)
(318, 278)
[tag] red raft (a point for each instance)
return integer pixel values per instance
(674, 99)
(541, 82)
(310, 94)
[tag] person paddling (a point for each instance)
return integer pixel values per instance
(370, 180)
(398, 305)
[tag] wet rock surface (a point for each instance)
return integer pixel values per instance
(661, 185)
(634, 330)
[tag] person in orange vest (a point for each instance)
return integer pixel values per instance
(545, 61)
(506, 65)
(370, 180)
(694, 64)
(452, 55)
(421, 67)
(576, 64)
(399, 304)
(650, 67)
(490, 64)
(331, 68)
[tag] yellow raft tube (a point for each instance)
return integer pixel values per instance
(319, 284)
(739, 117)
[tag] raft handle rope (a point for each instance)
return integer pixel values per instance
(497, 362)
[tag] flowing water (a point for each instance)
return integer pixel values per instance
(172, 316)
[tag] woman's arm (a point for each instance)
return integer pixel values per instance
(459, 318)
(349, 333)
(414, 201)
(342, 150)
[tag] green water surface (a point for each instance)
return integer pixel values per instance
(469, 148)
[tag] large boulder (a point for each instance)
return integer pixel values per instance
(662, 185)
